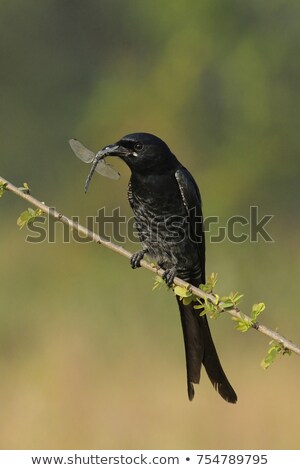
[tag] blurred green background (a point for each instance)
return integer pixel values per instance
(85, 362)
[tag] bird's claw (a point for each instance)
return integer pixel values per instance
(136, 259)
(168, 276)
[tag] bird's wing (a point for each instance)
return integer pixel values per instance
(192, 201)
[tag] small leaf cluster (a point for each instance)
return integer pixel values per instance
(158, 282)
(221, 304)
(210, 284)
(28, 216)
(185, 295)
(208, 307)
(276, 349)
(213, 305)
(231, 300)
(188, 297)
(2, 188)
(243, 323)
(25, 188)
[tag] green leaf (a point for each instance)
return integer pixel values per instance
(182, 292)
(232, 300)
(28, 216)
(2, 188)
(158, 282)
(207, 308)
(236, 298)
(275, 350)
(23, 219)
(198, 306)
(227, 303)
(32, 212)
(243, 324)
(257, 309)
(25, 188)
(215, 312)
(271, 356)
(210, 284)
(187, 300)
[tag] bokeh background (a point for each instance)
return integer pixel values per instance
(90, 357)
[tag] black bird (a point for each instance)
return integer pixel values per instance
(166, 203)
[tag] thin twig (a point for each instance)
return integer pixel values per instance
(235, 312)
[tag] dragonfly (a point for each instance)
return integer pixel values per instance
(99, 163)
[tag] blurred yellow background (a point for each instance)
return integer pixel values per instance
(90, 358)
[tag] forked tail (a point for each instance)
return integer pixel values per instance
(200, 349)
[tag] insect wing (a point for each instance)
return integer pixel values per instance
(81, 151)
(107, 170)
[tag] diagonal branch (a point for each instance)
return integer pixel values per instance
(235, 312)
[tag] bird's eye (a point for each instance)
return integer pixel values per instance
(138, 146)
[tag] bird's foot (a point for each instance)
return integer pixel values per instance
(136, 259)
(168, 276)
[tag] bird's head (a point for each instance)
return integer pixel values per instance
(142, 152)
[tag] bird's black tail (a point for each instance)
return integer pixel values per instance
(200, 349)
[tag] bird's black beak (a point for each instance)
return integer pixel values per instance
(115, 150)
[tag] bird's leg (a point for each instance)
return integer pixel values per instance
(137, 257)
(170, 273)
(168, 276)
